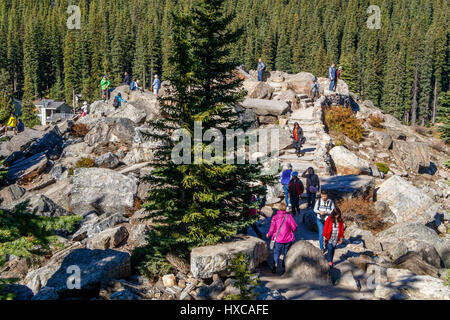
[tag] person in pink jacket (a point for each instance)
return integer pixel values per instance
(284, 225)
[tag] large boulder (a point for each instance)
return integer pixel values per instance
(96, 267)
(384, 139)
(291, 98)
(11, 193)
(93, 224)
(347, 162)
(417, 287)
(111, 130)
(408, 203)
(351, 186)
(266, 107)
(404, 232)
(27, 169)
(102, 190)
(108, 160)
(307, 264)
(424, 250)
(101, 108)
(41, 205)
(108, 239)
(411, 156)
(130, 112)
(210, 260)
(300, 82)
(258, 90)
(24, 139)
(414, 262)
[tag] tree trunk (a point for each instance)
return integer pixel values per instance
(435, 100)
(414, 105)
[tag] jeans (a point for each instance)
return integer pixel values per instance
(311, 198)
(260, 76)
(280, 249)
(295, 202)
(332, 85)
(330, 253)
(286, 194)
(320, 226)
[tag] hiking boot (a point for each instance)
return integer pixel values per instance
(274, 270)
(323, 250)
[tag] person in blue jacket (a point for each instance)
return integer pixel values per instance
(118, 101)
(156, 85)
(332, 76)
(285, 179)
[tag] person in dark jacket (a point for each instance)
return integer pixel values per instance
(296, 189)
(333, 233)
(315, 89)
(338, 77)
(126, 79)
(312, 186)
(297, 137)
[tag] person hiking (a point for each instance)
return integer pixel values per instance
(126, 79)
(12, 124)
(20, 126)
(134, 85)
(104, 84)
(285, 179)
(297, 139)
(312, 186)
(338, 77)
(118, 101)
(261, 68)
(315, 89)
(156, 85)
(333, 233)
(296, 189)
(281, 233)
(323, 208)
(332, 76)
(252, 213)
(84, 109)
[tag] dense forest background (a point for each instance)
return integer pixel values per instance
(402, 67)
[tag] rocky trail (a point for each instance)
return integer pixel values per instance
(92, 167)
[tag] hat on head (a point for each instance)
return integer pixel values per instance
(295, 174)
(85, 103)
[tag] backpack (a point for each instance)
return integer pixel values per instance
(328, 204)
(116, 102)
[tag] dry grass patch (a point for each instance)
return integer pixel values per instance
(79, 130)
(362, 213)
(376, 121)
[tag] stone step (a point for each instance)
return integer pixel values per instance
(294, 157)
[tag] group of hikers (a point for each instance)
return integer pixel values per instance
(105, 85)
(333, 75)
(14, 124)
(134, 85)
(283, 225)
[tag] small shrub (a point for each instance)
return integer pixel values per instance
(79, 130)
(362, 213)
(85, 163)
(339, 142)
(447, 164)
(245, 279)
(375, 121)
(342, 120)
(383, 167)
(447, 280)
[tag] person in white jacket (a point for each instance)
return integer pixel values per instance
(323, 208)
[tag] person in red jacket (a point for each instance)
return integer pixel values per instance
(296, 189)
(333, 233)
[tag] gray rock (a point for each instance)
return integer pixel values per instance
(23, 140)
(111, 130)
(17, 292)
(108, 239)
(128, 111)
(96, 266)
(102, 190)
(348, 163)
(92, 226)
(384, 139)
(108, 161)
(28, 168)
(124, 295)
(411, 156)
(138, 235)
(266, 107)
(416, 231)
(59, 172)
(408, 203)
(206, 261)
(350, 186)
(12, 193)
(46, 294)
(307, 263)
(41, 205)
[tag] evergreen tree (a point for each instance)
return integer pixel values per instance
(200, 203)
(6, 107)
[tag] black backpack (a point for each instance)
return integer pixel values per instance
(116, 102)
